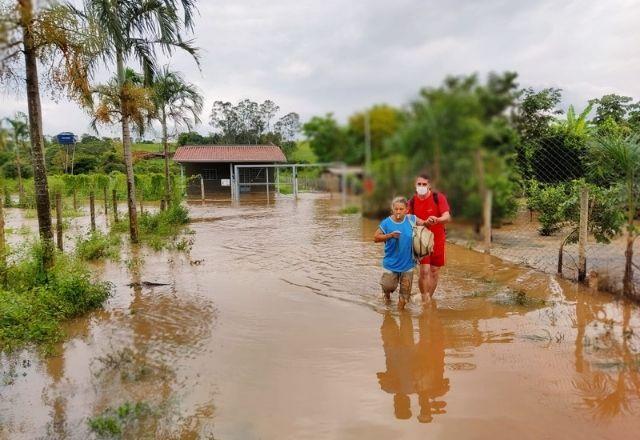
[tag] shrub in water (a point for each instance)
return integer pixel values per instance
(97, 245)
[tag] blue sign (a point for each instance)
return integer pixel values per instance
(66, 138)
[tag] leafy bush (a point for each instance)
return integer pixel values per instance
(550, 201)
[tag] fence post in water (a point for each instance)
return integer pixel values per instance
(115, 205)
(59, 219)
(267, 171)
(295, 182)
(202, 188)
(488, 201)
(92, 210)
(106, 202)
(583, 232)
(277, 180)
(3, 244)
(343, 183)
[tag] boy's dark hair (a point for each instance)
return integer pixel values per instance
(424, 175)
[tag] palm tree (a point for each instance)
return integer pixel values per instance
(50, 35)
(20, 133)
(616, 158)
(136, 29)
(30, 51)
(178, 101)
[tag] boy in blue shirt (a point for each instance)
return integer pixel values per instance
(396, 231)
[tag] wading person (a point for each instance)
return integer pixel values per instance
(433, 208)
(396, 233)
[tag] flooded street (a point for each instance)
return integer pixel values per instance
(273, 327)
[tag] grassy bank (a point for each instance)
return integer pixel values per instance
(34, 302)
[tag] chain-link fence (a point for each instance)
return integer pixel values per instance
(540, 226)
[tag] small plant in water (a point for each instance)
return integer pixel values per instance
(115, 422)
(351, 209)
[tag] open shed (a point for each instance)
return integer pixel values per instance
(215, 163)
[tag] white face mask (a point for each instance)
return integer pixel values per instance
(422, 190)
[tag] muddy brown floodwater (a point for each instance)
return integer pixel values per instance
(273, 328)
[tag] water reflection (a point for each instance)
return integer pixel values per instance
(608, 385)
(414, 367)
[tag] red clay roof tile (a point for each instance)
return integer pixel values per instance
(229, 153)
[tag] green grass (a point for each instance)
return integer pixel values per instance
(152, 148)
(351, 209)
(303, 154)
(35, 302)
(160, 230)
(97, 245)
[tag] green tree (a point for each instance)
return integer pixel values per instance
(330, 142)
(128, 30)
(616, 159)
(20, 135)
(176, 101)
(384, 121)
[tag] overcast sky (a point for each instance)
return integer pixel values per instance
(319, 56)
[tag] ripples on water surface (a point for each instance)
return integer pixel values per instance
(273, 327)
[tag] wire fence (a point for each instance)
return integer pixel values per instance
(541, 227)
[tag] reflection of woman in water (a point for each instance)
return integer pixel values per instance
(414, 368)
(398, 345)
(429, 364)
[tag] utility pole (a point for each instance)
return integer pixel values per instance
(367, 143)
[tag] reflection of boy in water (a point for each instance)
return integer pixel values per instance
(414, 368)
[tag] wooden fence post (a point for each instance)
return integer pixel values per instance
(115, 206)
(202, 188)
(3, 243)
(106, 202)
(162, 205)
(59, 219)
(488, 202)
(583, 234)
(92, 210)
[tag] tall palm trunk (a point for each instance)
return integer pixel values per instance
(43, 206)
(128, 160)
(165, 144)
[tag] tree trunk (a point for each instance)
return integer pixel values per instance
(437, 154)
(627, 284)
(627, 281)
(165, 143)
(75, 199)
(35, 130)
(128, 159)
